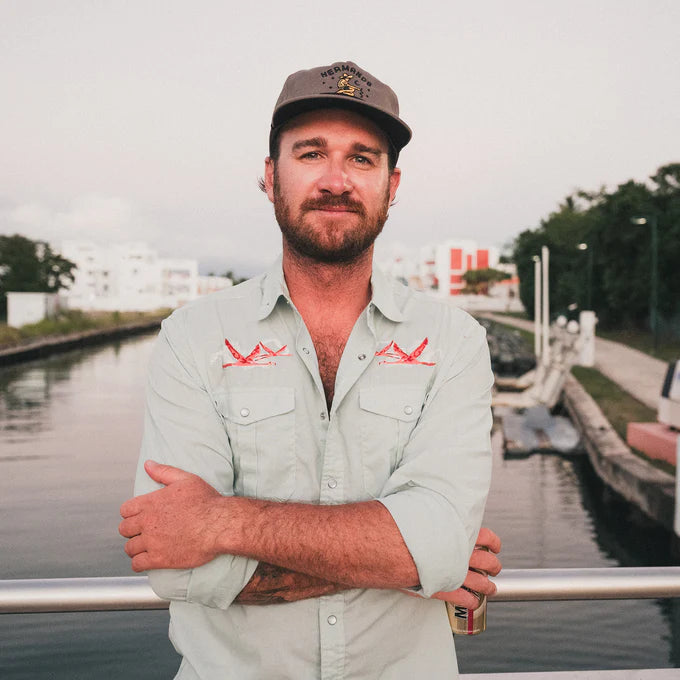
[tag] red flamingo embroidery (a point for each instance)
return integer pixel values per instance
(257, 357)
(393, 351)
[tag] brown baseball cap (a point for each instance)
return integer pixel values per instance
(346, 85)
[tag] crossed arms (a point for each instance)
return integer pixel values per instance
(303, 550)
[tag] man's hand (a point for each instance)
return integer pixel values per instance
(481, 560)
(173, 528)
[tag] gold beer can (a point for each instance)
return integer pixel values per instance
(466, 621)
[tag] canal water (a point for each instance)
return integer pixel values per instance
(70, 428)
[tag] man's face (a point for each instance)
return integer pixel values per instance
(331, 186)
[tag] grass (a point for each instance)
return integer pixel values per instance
(667, 350)
(619, 407)
(72, 321)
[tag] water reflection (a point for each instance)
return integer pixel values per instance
(26, 390)
(70, 427)
(551, 512)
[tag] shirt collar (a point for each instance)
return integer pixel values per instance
(384, 294)
(273, 287)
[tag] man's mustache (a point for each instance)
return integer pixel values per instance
(333, 202)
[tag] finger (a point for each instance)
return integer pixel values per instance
(165, 474)
(135, 546)
(460, 597)
(479, 583)
(130, 527)
(129, 508)
(141, 562)
(488, 539)
(485, 561)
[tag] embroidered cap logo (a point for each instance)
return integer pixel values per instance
(345, 87)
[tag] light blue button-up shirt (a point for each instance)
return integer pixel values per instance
(235, 396)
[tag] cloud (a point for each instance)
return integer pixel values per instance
(93, 217)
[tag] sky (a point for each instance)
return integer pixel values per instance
(148, 121)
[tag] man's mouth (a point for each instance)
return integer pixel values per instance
(329, 207)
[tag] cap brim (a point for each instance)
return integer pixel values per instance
(398, 132)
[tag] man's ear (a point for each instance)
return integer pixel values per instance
(395, 178)
(269, 178)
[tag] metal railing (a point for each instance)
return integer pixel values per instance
(126, 593)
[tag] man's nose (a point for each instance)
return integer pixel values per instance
(335, 179)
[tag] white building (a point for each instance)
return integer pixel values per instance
(439, 269)
(26, 308)
(130, 277)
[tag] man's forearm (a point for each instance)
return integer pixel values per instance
(188, 523)
(317, 549)
(357, 545)
(275, 585)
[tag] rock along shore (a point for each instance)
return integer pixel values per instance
(650, 489)
(61, 343)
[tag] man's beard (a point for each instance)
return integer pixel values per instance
(339, 243)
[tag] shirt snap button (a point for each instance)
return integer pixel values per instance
(305, 350)
(332, 619)
(245, 412)
(322, 415)
(408, 410)
(332, 483)
(361, 357)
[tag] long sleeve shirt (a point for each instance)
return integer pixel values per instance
(235, 396)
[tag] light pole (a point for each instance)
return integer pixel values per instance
(589, 299)
(537, 306)
(654, 290)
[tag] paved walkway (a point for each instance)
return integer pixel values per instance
(639, 374)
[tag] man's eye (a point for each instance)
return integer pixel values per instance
(362, 160)
(312, 155)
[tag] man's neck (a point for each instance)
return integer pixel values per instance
(338, 289)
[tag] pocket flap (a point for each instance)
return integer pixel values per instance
(395, 401)
(245, 406)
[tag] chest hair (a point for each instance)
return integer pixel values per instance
(329, 345)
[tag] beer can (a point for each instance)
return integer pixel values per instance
(466, 621)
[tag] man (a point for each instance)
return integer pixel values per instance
(324, 432)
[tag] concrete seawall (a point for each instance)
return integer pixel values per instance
(648, 488)
(50, 345)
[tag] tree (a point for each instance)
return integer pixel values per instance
(614, 270)
(28, 266)
(477, 281)
(235, 279)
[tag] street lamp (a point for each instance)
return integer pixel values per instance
(654, 291)
(537, 306)
(589, 300)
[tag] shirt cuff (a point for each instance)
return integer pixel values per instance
(218, 583)
(215, 584)
(435, 537)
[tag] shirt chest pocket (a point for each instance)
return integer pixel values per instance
(387, 415)
(261, 428)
